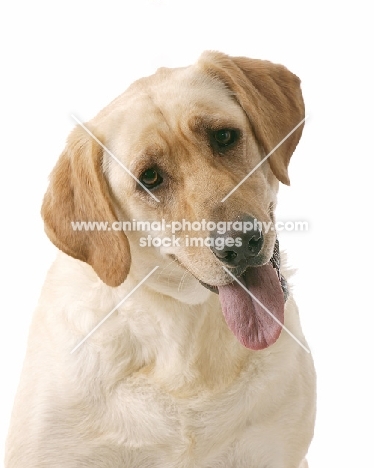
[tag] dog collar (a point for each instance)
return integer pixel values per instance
(276, 263)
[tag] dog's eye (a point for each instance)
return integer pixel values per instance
(225, 137)
(150, 178)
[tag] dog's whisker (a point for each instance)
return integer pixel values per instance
(182, 280)
(163, 269)
(171, 272)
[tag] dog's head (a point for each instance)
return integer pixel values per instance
(190, 136)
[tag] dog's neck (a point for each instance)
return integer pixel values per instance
(183, 347)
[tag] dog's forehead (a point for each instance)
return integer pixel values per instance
(165, 101)
(170, 87)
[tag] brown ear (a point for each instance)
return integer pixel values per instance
(79, 192)
(270, 96)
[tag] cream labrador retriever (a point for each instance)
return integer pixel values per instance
(198, 364)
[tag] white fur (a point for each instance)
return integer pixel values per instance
(160, 384)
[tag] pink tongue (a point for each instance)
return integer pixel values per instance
(247, 319)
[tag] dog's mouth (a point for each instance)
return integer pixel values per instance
(253, 306)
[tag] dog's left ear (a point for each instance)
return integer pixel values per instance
(271, 98)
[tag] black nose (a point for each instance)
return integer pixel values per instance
(236, 246)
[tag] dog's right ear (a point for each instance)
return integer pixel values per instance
(271, 97)
(77, 192)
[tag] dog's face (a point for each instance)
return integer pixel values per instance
(174, 121)
(190, 136)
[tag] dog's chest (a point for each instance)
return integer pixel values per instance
(176, 427)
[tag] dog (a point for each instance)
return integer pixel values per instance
(148, 351)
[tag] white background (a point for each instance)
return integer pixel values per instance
(68, 57)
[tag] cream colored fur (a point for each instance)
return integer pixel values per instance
(163, 383)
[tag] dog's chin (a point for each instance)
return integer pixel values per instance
(209, 287)
(238, 273)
